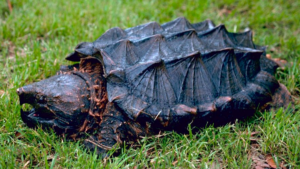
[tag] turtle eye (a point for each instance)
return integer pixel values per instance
(41, 99)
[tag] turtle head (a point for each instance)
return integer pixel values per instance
(66, 102)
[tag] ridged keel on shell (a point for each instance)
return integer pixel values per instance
(224, 72)
(192, 83)
(152, 68)
(210, 38)
(151, 90)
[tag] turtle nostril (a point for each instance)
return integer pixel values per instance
(41, 99)
(19, 91)
(27, 94)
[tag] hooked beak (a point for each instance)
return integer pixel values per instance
(26, 94)
(38, 114)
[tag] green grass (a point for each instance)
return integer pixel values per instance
(38, 34)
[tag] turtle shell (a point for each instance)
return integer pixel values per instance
(154, 72)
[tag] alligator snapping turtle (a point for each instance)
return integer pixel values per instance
(150, 78)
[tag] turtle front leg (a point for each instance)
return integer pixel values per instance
(115, 128)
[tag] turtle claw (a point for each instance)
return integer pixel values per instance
(93, 144)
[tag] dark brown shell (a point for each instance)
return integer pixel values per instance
(153, 70)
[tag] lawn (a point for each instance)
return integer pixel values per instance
(36, 36)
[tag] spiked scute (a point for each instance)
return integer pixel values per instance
(153, 77)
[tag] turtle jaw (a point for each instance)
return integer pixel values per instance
(39, 114)
(32, 118)
(45, 118)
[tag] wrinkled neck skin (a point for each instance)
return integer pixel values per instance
(96, 85)
(72, 101)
